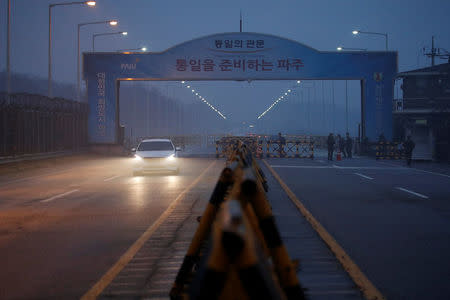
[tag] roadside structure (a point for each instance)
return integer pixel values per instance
(424, 111)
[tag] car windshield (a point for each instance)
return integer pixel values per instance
(155, 146)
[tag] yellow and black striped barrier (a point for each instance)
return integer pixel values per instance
(389, 150)
(244, 241)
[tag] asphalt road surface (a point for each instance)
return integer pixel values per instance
(393, 221)
(62, 227)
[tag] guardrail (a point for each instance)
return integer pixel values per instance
(237, 251)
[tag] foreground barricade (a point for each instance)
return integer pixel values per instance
(237, 249)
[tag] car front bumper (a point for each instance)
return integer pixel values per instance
(156, 164)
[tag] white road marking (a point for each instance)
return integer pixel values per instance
(429, 172)
(363, 176)
(321, 161)
(334, 167)
(60, 196)
(111, 178)
(32, 177)
(411, 192)
(420, 170)
(301, 167)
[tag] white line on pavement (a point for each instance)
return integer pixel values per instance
(111, 178)
(411, 192)
(334, 167)
(59, 196)
(301, 167)
(420, 170)
(363, 176)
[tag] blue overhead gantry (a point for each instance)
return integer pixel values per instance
(239, 56)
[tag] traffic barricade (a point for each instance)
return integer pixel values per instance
(241, 245)
(300, 148)
(389, 150)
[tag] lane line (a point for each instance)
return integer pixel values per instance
(301, 167)
(363, 176)
(111, 178)
(333, 167)
(420, 170)
(412, 192)
(365, 285)
(60, 195)
(109, 276)
(5, 183)
(366, 168)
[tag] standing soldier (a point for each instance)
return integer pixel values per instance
(281, 144)
(341, 145)
(330, 144)
(408, 145)
(348, 145)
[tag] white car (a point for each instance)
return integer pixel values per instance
(155, 155)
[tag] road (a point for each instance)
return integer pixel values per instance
(393, 221)
(62, 227)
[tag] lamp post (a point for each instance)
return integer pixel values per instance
(8, 47)
(134, 49)
(356, 32)
(340, 48)
(110, 22)
(88, 3)
(108, 33)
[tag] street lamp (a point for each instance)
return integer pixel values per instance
(109, 33)
(350, 49)
(88, 3)
(134, 49)
(110, 22)
(8, 50)
(356, 32)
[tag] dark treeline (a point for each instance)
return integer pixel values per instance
(23, 83)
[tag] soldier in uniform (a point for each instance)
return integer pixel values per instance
(408, 146)
(348, 145)
(330, 144)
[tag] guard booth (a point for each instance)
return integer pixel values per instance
(238, 56)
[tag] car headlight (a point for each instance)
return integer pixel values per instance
(137, 157)
(171, 157)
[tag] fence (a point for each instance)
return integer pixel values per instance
(38, 124)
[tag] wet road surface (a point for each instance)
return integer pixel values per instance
(393, 221)
(63, 227)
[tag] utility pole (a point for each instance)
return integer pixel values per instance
(433, 50)
(240, 21)
(436, 52)
(8, 49)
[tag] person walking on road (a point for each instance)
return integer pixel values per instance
(330, 144)
(348, 145)
(341, 145)
(408, 146)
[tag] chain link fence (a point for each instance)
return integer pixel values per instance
(38, 124)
